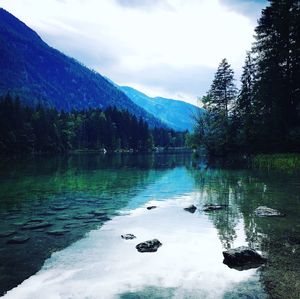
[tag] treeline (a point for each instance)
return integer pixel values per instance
(264, 115)
(26, 129)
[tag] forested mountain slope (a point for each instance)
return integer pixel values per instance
(176, 114)
(40, 74)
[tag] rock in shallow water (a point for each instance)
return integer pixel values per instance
(264, 211)
(213, 207)
(128, 236)
(47, 213)
(242, 258)
(84, 216)
(151, 207)
(148, 246)
(98, 212)
(57, 232)
(104, 218)
(35, 220)
(191, 209)
(63, 217)
(18, 240)
(6, 233)
(36, 225)
(59, 207)
(293, 240)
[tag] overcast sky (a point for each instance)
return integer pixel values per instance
(167, 48)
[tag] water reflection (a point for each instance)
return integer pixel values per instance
(221, 187)
(188, 265)
(244, 191)
(65, 191)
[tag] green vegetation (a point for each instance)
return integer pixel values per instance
(35, 130)
(40, 74)
(213, 128)
(277, 161)
(264, 116)
(176, 114)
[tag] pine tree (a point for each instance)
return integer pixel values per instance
(213, 127)
(244, 116)
(223, 91)
(277, 89)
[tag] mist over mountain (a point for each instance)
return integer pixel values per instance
(176, 114)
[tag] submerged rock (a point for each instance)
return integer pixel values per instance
(213, 207)
(57, 232)
(191, 209)
(18, 240)
(242, 258)
(148, 246)
(47, 213)
(63, 217)
(84, 216)
(293, 240)
(98, 213)
(36, 225)
(104, 218)
(151, 207)
(75, 225)
(20, 223)
(128, 236)
(35, 220)
(264, 211)
(6, 233)
(59, 208)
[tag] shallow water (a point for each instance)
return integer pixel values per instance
(94, 199)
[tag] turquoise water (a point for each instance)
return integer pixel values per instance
(92, 199)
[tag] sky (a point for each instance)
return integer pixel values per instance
(168, 48)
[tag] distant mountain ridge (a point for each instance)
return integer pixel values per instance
(41, 74)
(176, 114)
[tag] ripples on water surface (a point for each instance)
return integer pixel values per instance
(90, 200)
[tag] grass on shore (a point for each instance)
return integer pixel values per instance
(288, 162)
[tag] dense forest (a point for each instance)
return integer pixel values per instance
(39, 129)
(40, 74)
(263, 116)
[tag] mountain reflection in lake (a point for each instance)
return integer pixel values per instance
(94, 199)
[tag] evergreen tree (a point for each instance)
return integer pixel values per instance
(266, 115)
(214, 126)
(25, 129)
(223, 91)
(244, 117)
(278, 63)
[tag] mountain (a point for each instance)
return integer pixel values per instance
(40, 74)
(178, 115)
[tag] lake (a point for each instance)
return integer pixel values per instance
(62, 219)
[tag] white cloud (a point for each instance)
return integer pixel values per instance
(164, 46)
(249, 8)
(143, 4)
